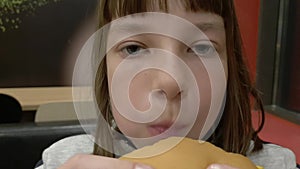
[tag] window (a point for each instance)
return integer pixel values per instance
(38, 41)
(278, 66)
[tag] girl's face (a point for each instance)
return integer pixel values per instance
(163, 83)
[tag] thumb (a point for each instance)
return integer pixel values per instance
(220, 166)
(141, 166)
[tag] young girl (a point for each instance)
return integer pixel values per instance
(170, 83)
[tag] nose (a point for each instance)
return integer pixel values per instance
(167, 85)
(174, 64)
(165, 79)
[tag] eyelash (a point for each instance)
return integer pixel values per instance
(206, 47)
(129, 45)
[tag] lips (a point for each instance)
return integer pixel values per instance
(158, 129)
(174, 129)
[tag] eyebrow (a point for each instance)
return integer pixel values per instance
(129, 27)
(205, 26)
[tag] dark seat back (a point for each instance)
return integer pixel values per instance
(10, 109)
(21, 145)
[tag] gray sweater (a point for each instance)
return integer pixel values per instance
(270, 157)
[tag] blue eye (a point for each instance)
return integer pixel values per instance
(131, 50)
(202, 49)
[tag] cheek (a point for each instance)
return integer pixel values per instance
(123, 124)
(224, 60)
(203, 82)
(140, 86)
(139, 90)
(205, 90)
(127, 127)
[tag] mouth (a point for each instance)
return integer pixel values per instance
(160, 128)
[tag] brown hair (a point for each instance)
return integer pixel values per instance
(235, 129)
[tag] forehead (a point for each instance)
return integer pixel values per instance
(204, 20)
(187, 27)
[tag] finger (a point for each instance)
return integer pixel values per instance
(220, 166)
(99, 162)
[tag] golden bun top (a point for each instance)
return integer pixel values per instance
(185, 153)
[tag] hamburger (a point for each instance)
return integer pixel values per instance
(185, 153)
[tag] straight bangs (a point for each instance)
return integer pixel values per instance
(119, 8)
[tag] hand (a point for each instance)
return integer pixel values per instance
(84, 161)
(220, 166)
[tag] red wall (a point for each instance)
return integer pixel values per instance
(248, 14)
(276, 130)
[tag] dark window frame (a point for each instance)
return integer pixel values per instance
(273, 28)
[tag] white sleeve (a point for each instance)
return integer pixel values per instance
(59, 152)
(274, 157)
(40, 167)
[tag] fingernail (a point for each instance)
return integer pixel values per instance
(220, 166)
(142, 166)
(214, 166)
